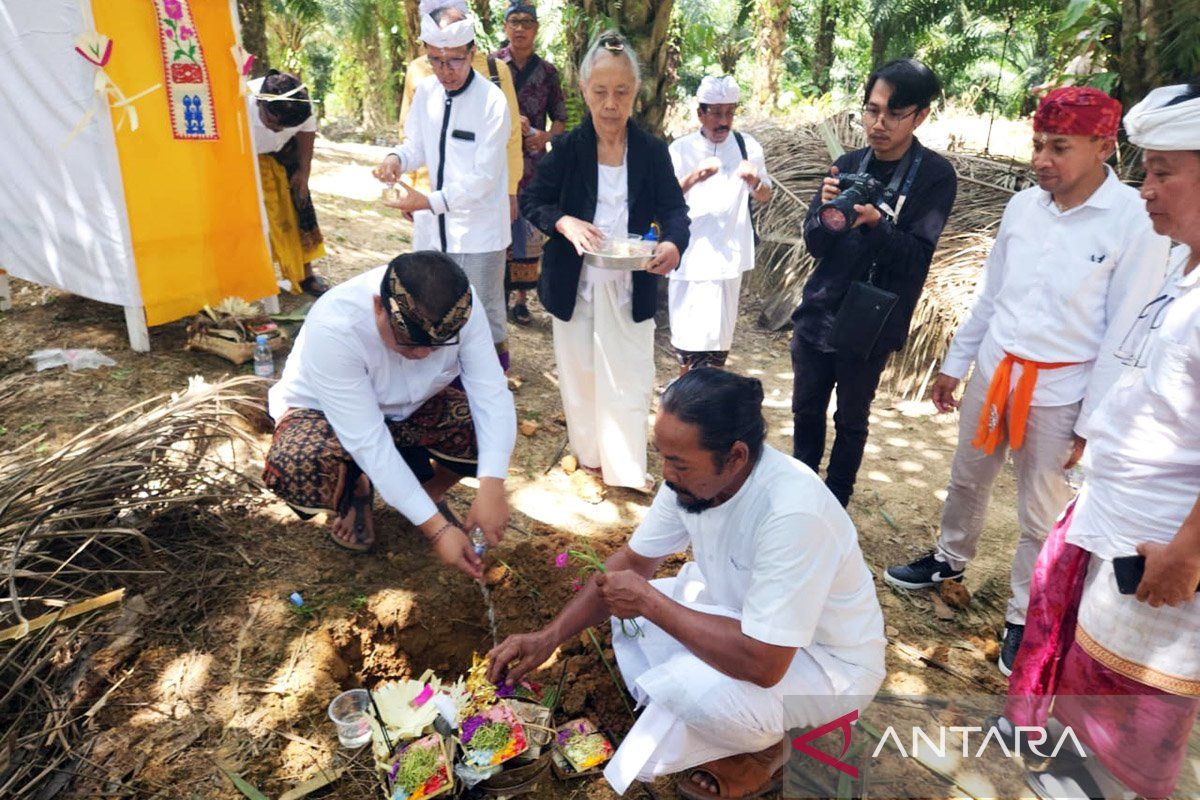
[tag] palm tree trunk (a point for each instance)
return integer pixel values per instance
(647, 25)
(412, 19)
(483, 11)
(823, 52)
(253, 17)
(374, 107)
(772, 19)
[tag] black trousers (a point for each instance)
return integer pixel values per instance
(817, 375)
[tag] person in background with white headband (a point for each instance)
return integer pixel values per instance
(1111, 641)
(720, 171)
(458, 127)
(284, 130)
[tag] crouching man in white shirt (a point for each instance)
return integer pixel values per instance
(775, 624)
(365, 402)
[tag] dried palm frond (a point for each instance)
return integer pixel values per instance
(76, 523)
(797, 160)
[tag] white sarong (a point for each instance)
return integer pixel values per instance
(695, 714)
(606, 376)
(703, 314)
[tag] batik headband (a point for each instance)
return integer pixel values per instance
(518, 7)
(402, 310)
(1078, 111)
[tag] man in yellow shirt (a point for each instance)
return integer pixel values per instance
(494, 70)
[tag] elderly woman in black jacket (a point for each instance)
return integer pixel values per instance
(606, 178)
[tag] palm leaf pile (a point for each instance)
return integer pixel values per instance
(77, 524)
(798, 158)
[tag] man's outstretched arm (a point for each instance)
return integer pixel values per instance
(522, 653)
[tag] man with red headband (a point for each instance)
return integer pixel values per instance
(1075, 260)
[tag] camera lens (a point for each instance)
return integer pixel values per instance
(833, 219)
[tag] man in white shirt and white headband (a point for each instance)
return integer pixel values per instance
(458, 127)
(720, 170)
(1074, 260)
(1112, 634)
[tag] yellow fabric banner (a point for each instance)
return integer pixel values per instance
(193, 206)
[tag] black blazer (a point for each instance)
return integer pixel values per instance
(565, 184)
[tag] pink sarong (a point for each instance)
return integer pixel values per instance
(1138, 732)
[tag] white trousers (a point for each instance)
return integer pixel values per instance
(694, 713)
(606, 376)
(703, 314)
(485, 271)
(1042, 487)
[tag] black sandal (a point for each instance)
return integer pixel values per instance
(520, 314)
(316, 285)
(361, 544)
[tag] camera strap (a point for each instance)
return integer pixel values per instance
(901, 184)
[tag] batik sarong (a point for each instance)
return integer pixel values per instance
(308, 468)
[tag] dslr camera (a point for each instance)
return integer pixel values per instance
(857, 188)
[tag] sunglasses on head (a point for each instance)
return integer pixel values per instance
(612, 43)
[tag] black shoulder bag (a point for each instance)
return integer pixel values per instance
(866, 307)
(741, 143)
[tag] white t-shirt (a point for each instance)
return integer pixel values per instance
(783, 554)
(611, 217)
(341, 367)
(265, 139)
(722, 243)
(1142, 460)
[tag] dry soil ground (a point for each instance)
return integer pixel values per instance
(241, 677)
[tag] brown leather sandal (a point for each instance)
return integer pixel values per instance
(745, 776)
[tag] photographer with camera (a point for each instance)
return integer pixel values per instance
(873, 228)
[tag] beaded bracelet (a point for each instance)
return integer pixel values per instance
(433, 539)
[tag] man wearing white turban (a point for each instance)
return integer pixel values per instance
(1114, 612)
(458, 128)
(720, 171)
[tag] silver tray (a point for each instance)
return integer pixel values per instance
(622, 263)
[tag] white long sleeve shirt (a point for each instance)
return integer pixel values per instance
(722, 243)
(461, 138)
(1142, 461)
(1062, 287)
(341, 367)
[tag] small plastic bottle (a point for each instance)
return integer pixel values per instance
(477, 540)
(264, 359)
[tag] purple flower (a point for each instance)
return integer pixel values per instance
(186, 33)
(504, 690)
(170, 33)
(470, 725)
(173, 8)
(560, 560)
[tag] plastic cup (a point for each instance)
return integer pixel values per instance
(349, 712)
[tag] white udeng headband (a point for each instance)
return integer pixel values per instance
(718, 91)
(1153, 125)
(456, 34)
(430, 6)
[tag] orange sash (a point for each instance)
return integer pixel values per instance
(990, 432)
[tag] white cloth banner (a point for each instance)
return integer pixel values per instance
(63, 221)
